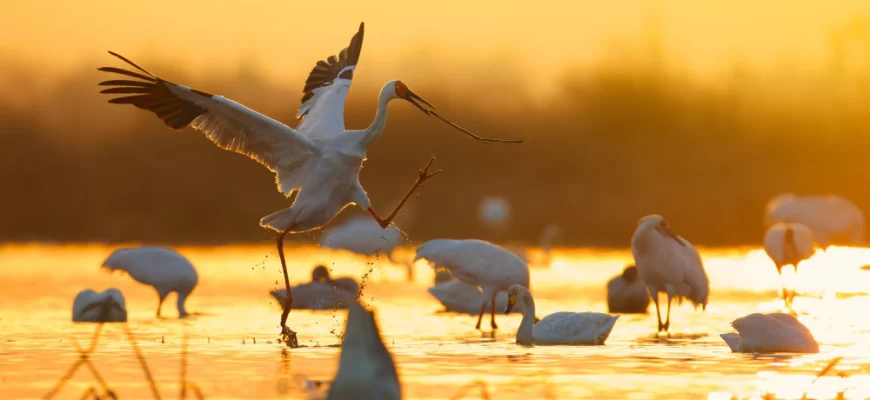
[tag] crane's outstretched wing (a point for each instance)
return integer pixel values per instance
(228, 124)
(322, 109)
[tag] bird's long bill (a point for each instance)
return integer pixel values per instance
(668, 232)
(512, 300)
(413, 98)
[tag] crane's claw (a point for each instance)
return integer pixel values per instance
(289, 337)
(424, 173)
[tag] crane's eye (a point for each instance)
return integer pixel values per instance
(400, 89)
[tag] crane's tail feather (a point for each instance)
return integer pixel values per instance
(278, 220)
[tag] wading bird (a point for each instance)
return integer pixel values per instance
(668, 263)
(322, 293)
(162, 268)
(318, 163)
(788, 244)
(832, 219)
(478, 263)
(364, 236)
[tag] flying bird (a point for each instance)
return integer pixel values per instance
(316, 164)
(162, 268)
(670, 264)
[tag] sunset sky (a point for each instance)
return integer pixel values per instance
(287, 36)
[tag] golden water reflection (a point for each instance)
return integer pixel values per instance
(233, 352)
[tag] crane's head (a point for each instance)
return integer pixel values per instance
(398, 90)
(658, 223)
(320, 274)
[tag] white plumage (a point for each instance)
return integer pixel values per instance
(626, 293)
(460, 297)
(108, 306)
(668, 263)
(831, 219)
(365, 370)
(567, 328)
(477, 263)
(318, 163)
(322, 293)
(788, 244)
(162, 268)
(364, 236)
(770, 333)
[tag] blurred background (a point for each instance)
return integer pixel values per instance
(699, 111)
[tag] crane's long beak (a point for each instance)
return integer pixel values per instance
(413, 98)
(668, 232)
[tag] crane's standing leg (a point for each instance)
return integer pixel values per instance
(424, 175)
(287, 335)
(655, 297)
(492, 312)
(667, 325)
(480, 317)
(160, 304)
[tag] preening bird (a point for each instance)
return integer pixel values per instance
(364, 236)
(162, 268)
(568, 328)
(788, 244)
(770, 333)
(670, 264)
(831, 219)
(317, 163)
(366, 370)
(478, 263)
(626, 293)
(322, 293)
(108, 306)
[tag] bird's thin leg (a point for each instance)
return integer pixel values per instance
(480, 317)
(655, 297)
(667, 325)
(287, 335)
(160, 305)
(492, 313)
(424, 175)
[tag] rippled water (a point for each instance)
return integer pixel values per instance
(233, 352)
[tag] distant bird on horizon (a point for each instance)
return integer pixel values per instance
(108, 306)
(364, 236)
(626, 293)
(479, 263)
(670, 264)
(831, 219)
(163, 269)
(317, 164)
(322, 293)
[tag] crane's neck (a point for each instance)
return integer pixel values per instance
(527, 326)
(377, 126)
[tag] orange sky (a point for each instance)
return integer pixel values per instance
(288, 36)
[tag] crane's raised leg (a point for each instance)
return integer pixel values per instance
(424, 175)
(492, 312)
(287, 335)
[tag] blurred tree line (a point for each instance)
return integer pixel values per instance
(628, 136)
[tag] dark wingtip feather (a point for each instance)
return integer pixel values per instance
(131, 63)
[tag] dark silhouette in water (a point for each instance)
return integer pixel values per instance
(626, 293)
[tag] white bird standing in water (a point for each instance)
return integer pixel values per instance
(788, 244)
(568, 328)
(366, 370)
(364, 236)
(108, 306)
(831, 218)
(668, 263)
(318, 162)
(478, 263)
(770, 333)
(162, 268)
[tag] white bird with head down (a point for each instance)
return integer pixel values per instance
(478, 263)
(319, 161)
(364, 236)
(322, 293)
(668, 263)
(162, 268)
(108, 306)
(770, 333)
(568, 328)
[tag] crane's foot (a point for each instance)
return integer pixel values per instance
(289, 337)
(493, 325)
(667, 327)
